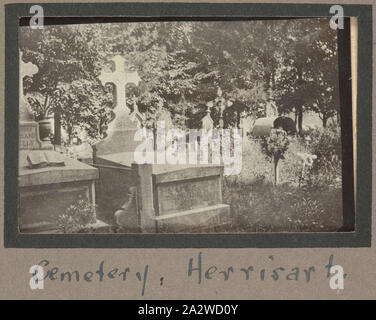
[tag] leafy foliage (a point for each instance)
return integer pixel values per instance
(276, 144)
(260, 207)
(308, 75)
(83, 106)
(181, 65)
(39, 108)
(77, 217)
(326, 144)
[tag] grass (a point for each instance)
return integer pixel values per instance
(257, 205)
(263, 207)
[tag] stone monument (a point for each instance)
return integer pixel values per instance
(121, 131)
(45, 192)
(113, 155)
(28, 128)
(168, 198)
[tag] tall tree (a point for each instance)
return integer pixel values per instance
(308, 75)
(64, 55)
(182, 65)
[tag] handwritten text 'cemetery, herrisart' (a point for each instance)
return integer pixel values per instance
(198, 269)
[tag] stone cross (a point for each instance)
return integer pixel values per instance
(25, 69)
(120, 78)
(207, 121)
(271, 109)
(221, 103)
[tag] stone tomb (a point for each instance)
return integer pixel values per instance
(169, 198)
(121, 131)
(114, 154)
(181, 198)
(46, 192)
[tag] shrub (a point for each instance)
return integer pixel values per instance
(276, 144)
(291, 166)
(77, 217)
(326, 145)
(263, 207)
(255, 165)
(275, 147)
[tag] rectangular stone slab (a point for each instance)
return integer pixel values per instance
(73, 170)
(116, 176)
(195, 220)
(118, 141)
(187, 194)
(29, 137)
(40, 205)
(170, 173)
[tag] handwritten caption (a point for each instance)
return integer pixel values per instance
(197, 271)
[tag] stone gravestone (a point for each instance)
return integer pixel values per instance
(246, 123)
(169, 198)
(46, 192)
(207, 122)
(271, 109)
(164, 115)
(181, 198)
(28, 128)
(121, 131)
(113, 155)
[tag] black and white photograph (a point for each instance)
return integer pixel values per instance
(189, 126)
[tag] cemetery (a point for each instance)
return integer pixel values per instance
(93, 157)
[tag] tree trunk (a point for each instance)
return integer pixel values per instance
(155, 137)
(300, 120)
(57, 129)
(70, 134)
(324, 120)
(300, 108)
(238, 119)
(276, 170)
(45, 106)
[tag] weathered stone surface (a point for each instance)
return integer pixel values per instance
(207, 122)
(97, 227)
(175, 198)
(195, 220)
(119, 141)
(189, 199)
(180, 198)
(45, 193)
(187, 194)
(116, 177)
(40, 205)
(72, 171)
(26, 69)
(127, 214)
(28, 129)
(169, 173)
(121, 131)
(29, 136)
(145, 197)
